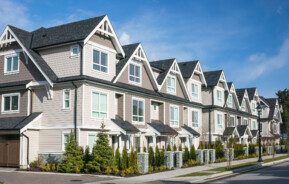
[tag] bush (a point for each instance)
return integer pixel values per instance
(162, 157)
(175, 148)
(102, 155)
(72, 161)
(157, 157)
(117, 158)
(191, 163)
(239, 150)
(124, 160)
(151, 157)
(252, 149)
(169, 147)
(219, 149)
(133, 161)
(186, 155)
(193, 153)
(36, 164)
(180, 147)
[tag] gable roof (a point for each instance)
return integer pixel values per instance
(17, 123)
(254, 133)
(213, 77)
(242, 130)
(191, 131)
(251, 92)
(264, 101)
(125, 125)
(162, 128)
(230, 84)
(164, 66)
(229, 131)
(240, 94)
(272, 105)
(187, 68)
(70, 32)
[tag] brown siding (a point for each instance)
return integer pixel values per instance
(23, 104)
(179, 90)
(102, 40)
(197, 77)
(26, 71)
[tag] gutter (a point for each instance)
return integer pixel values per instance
(81, 58)
(75, 110)
(27, 155)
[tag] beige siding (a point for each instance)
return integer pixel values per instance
(50, 141)
(33, 144)
(207, 96)
(102, 40)
(60, 61)
(179, 90)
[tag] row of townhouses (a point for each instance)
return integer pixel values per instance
(77, 78)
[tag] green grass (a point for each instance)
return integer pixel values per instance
(233, 167)
(196, 174)
(275, 159)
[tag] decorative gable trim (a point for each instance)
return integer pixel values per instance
(105, 28)
(223, 79)
(6, 37)
(198, 70)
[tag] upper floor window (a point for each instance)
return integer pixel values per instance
(254, 125)
(74, 51)
(245, 121)
(231, 121)
(174, 116)
(230, 101)
(138, 110)
(220, 120)
(219, 95)
(171, 84)
(135, 73)
(10, 102)
(195, 90)
(195, 119)
(11, 64)
(253, 107)
(99, 105)
(243, 106)
(66, 99)
(100, 61)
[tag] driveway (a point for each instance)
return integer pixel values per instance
(18, 177)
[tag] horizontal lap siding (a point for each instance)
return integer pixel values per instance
(50, 141)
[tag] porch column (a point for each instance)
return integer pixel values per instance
(120, 143)
(142, 139)
(188, 142)
(154, 143)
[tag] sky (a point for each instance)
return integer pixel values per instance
(248, 39)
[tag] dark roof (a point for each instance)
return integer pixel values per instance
(241, 129)
(212, 77)
(254, 133)
(240, 94)
(128, 50)
(16, 123)
(230, 84)
(229, 131)
(125, 125)
(251, 93)
(162, 128)
(187, 68)
(14, 84)
(192, 131)
(25, 38)
(164, 66)
(70, 32)
(272, 105)
(264, 101)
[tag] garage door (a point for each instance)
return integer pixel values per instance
(9, 151)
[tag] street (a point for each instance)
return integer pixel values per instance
(270, 175)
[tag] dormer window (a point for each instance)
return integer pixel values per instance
(195, 90)
(253, 107)
(100, 61)
(243, 106)
(135, 73)
(219, 95)
(11, 64)
(74, 51)
(171, 84)
(230, 100)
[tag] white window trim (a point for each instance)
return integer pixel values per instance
(230, 103)
(196, 123)
(71, 51)
(198, 90)
(5, 64)
(138, 99)
(222, 120)
(234, 120)
(10, 111)
(107, 100)
(245, 119)
(175, 90)
(62, 143)
(63, 99)
(178, 109)
(140, 78)
(100, 51)
(87, 142)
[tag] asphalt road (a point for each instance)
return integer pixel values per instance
(269, 175)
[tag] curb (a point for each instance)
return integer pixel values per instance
(228, 174)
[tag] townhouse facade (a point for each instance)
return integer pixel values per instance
(78, 78)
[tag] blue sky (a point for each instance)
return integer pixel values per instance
(248, 39)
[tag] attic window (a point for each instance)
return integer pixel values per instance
(74, 51)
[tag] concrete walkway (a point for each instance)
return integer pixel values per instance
(178, 172)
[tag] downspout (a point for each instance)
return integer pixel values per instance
(81, 58)
(27, 155)
(75, 110)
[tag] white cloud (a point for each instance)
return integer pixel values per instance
(13, 13)
(260, 64)
(124, 38)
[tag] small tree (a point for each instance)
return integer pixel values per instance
(151, 157)
(117, 158)
(180, 147)
(186, 155)
(193, 153)
(87, 157)
(72, 161)
(133, 161)
(124, 159)
(158, 157)
(169, 147)
(219, 149)
(174, 148)
(162, 157)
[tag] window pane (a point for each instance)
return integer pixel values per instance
(14, 102)
(91, 141)
(135, 107)
(141, 108)
(9, 64)
(94, 101)
(103, 69)
(131, 69)
(96, 67)
(96, 56)
(137, 72)
(67, 104)
(15, 63)
(103, 103)
(6, 103)
(103, 59)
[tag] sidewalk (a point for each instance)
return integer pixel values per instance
(178, 172)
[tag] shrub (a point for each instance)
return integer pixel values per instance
(163, 168)
(239, 150)
(193, 153)
(180, 147)
(191, 163)
(72, 161)
(175, 148)
(102, 155)
(151, 157)
(157, 157)
(36, 164)
(252, 149)
(219, 149)
(169, 147)
(133, 161)
(162, 157)
(186, 155)
(201, 146)
(124, 160)
(117, 159)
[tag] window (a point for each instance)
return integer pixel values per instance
(100, 61)
(171, 84)
(230, 101)
(195, 90)
(66, 99)
(65, 139)
(253, 107)
(254, 125)
(219, 96)
(220, 120)
(245, 121)
(232, 121)
(174, 116)
(11, 64)
(243, 106)
(74, 51)
(99, 105)
(91, 140)
(195, 119)
(134, 73)
(10, 102)
(138, 110)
